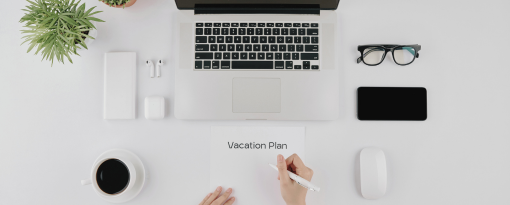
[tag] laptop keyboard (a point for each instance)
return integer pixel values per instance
(249, 46)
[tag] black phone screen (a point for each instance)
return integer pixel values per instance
(392, 103)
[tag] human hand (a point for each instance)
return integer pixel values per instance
(292, 192)
(213, 199)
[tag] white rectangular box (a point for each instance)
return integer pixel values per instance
(119, 85)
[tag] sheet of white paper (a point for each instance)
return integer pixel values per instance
(247, 171)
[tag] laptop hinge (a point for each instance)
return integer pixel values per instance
(257, 9)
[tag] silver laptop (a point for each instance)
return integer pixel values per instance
(257, 60)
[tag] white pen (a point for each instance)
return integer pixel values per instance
(303, 182)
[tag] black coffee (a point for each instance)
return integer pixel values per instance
(112, 176)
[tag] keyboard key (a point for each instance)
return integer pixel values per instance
(251, 31)
(246, 39)
(265, 47)
(202, 47)
(244, 56)
(306, 65)
(299, 47)
(315, 39)
(207, 64)
(212, 39)
(216, 31)
(269, 56)
(280, 39)
(244, 24)
(198, 64)
(217, 24)
(274, 47)
(242, 31)
(297, 67)
(207, 31)
(225, 64)
(201, 39)
(226, 25)
(291, 48)
(296, 24)
(234, 24)
(215, 65)
(233, 31)
(261, 25)
(258, 31)
(228, 39)
(214, 47)
(256, 47)
(261, 56)
(297, 39)
(306, 39)
(223, 47)
(231, 47)
(239, 47)
(220, 39)
(270, 24)
(311, 48)
(226, 55)
(279, 24)
(267, 31)
(276, 31)
(252, 56)
(199, 24)
(278, 56)
(315, 25)
(263, 39)
(252, 64)
(237, 39)
(288, 24)
(247, 47)
(203, 55)
(253, 24)
(293, 31)
(286, 56)
(254, 39)
(279, 64)
(285, 31)
(309, 56)
(288, 39)
(271, 39)
(208, 24)
(305, 25)
(295, 56)
(199, 31)
(282, 47)
(302, 31)
(315, 67)
(312, 31)
(224, 31)
(288, 65)
(235, 55)
(217, 55)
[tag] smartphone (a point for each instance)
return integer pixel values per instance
(392, 103)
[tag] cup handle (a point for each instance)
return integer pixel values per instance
(86, 182)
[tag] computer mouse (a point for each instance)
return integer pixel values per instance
(372, 170)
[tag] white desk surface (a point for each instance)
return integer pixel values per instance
(51, 126)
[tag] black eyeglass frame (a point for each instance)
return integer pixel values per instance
(387, 48)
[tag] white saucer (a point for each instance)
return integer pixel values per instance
(140, 175)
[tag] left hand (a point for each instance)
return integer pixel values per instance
(213, 199)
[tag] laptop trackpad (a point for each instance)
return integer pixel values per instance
(256, 95)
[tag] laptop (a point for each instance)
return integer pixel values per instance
(257, 60)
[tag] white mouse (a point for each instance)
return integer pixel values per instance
(372, 174)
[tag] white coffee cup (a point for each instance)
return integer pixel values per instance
(93, 181)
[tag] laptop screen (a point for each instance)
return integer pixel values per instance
(324, 4)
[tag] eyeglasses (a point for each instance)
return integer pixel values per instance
(374, 54)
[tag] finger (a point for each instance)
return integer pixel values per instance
(223, 197)
(295, 162)
(282, 170)
(213, 196)
(206, 197)
(230, 201)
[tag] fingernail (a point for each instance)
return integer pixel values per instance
(233, 199)
(229, 190)
(208, 195)
(218, 189)
(280, 158)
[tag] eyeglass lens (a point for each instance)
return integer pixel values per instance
(373, 55)
(404, 55)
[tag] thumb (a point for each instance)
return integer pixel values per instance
(282, 169)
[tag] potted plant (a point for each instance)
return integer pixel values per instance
(57, 28)
(119, 3)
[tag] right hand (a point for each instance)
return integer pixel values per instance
(292, 192)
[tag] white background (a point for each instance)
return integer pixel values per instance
(51, 126)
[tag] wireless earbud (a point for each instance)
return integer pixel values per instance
(151, 68)
(158, 68)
